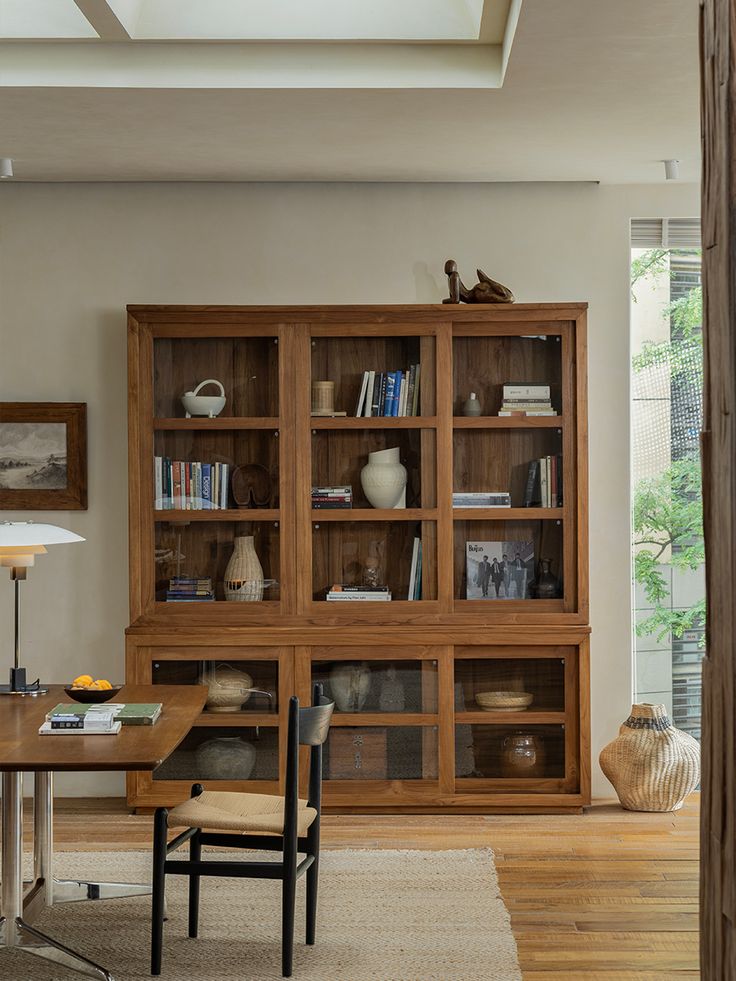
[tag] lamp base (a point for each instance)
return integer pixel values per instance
(19, 686)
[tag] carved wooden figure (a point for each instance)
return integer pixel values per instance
(486, 290)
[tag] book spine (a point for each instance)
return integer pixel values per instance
(402, 393)
(416, 406)
(397, 393)
(410, 390)
(376, 399)
(560, 483)
(206, 487)
(543, 482)
(370, 386)
(526, 391)
(389, 396)
(553, 480)
(176, 496)
(361, 396)
(531, 480)
(418, 577)
(158, 492)
(413, 572)
(225, 486)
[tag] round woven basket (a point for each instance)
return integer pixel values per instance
(652, 765)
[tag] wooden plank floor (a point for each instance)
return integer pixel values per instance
(604, 896)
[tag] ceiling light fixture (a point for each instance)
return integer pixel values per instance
(671, 169)
(6, 168)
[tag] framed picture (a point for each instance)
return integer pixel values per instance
(43, 456)
(498, 570)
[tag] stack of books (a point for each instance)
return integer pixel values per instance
(341, 593)
(544, 483)
(184, 590)
(389, 393)
(415, 576)
(106, 719)
(481, 499)
(98, 720)
(332, 497)
(187, 486)
(526, 400)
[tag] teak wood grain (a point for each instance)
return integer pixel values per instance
(133, 748)
(284, 349)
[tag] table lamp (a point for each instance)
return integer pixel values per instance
(20, 543)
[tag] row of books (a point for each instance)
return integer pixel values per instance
(544, 483)
(526, 400)
(389, 393)
(185, 590)
(190, 486)
(106, 719)
(342, 593)
(332, 497)
(481, 499)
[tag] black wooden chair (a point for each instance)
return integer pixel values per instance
(254, 821)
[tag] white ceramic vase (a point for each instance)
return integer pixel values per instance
(228, 688)
(244, 573)
(652, 765)
(350, 684)
(225, 758)
(384, 479)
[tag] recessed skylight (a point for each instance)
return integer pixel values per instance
(48, 19)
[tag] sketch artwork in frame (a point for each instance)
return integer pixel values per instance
(43, 456)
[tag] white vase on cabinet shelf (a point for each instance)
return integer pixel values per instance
(383, 479)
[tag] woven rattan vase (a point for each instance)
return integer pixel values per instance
(243, 578)
(652, 765)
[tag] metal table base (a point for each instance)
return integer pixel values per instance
(20, 903)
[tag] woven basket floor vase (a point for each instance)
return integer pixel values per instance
(652, 765)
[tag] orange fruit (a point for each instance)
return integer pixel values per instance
(83, 681)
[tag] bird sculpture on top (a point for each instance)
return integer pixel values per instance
(487, 290)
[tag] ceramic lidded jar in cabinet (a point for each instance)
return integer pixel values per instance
(652, 765)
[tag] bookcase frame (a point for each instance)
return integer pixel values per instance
(299, 629)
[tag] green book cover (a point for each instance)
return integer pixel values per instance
(130, 713)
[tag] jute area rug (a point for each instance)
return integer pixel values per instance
(383, 916)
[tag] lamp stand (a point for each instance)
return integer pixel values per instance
(18, 684)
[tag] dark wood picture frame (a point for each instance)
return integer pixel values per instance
(73, 497)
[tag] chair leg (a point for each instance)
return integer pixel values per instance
(312, 884)
(195, 853)
(288, 902)
(158, 892)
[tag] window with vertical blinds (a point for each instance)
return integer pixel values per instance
(665, 233)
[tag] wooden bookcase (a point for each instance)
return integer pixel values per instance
(432, 655)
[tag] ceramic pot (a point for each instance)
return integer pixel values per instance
(228, 688)
(244, 573)
(350, 684)
(652, 765)
(383, 479)
(204, 405)
(471, 405)
(522, 755)
(225, 758)
(548, 586)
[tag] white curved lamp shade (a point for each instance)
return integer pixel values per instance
(21, 534)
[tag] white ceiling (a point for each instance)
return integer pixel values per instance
(594, 90)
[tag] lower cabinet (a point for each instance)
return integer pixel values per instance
(417, 727)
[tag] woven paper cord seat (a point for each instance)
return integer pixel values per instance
(247, 813)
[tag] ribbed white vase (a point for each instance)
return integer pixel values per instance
(652, 765)
(243, 579)
(383, 479)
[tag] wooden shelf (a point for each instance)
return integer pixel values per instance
(384, 719)
(508, 514)
(374, 514)
(373, 422)
(526, 718)
(230, 514)
(507, 422)
(231, 720)
(201, 424)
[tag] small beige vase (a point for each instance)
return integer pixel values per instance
(243, 578)
(652, 765)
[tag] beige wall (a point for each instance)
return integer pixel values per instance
(72, 256)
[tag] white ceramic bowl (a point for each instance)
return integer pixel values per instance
(204, 405)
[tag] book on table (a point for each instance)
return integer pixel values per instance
(67, 715)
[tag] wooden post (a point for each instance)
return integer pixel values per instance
(718, 444)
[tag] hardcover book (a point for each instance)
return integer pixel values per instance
(498, 570)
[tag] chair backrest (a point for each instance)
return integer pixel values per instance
(307, 727)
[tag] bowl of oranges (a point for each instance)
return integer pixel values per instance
(90, 691)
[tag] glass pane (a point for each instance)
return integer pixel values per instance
(235, 753)
(343, 360)
(251, 477)
(382, 553)
(339, 456)
(508, 560)
(508, 461)
(485, 364)
(202, 550)
(381, 753)
(379, 686)
(226, 680)
(510, 753)
(247, 368)
(541, 678)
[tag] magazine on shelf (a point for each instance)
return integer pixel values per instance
(498, 570)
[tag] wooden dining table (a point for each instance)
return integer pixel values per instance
(23, 750)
